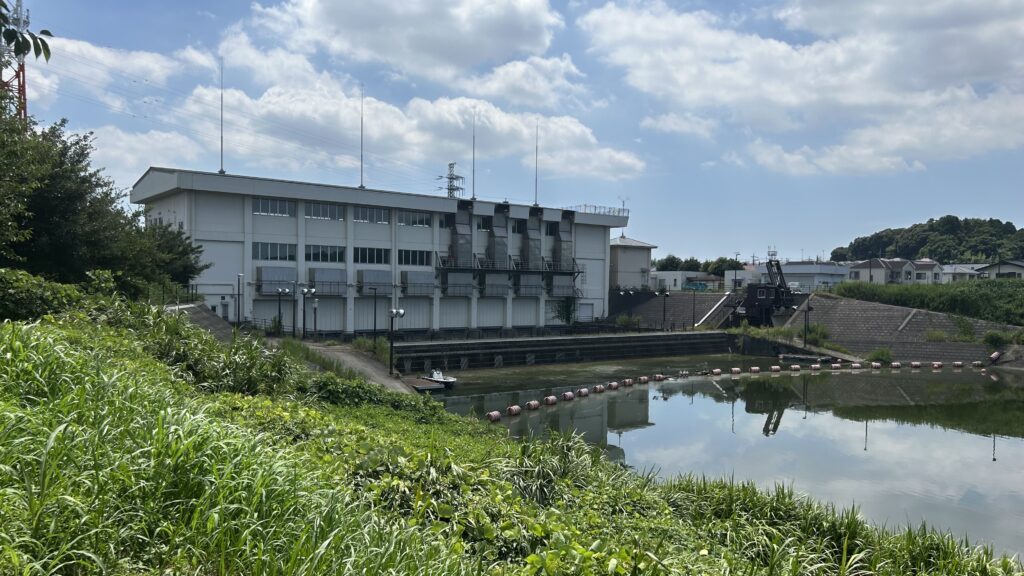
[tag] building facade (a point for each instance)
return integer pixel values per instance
(340, 257)
(630, 264)
(810, 275)
(1003, 269)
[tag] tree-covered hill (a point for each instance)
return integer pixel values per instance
(946, 239)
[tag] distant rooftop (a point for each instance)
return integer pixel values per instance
(631, 243)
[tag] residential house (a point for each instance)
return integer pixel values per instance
(630, 263)
(960, 272)
(810, 275)
(1003, 269)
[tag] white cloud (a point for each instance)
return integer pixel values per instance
(427, 38)
(685, 123)
(893, 84)
(126, 155)
(40, 86)
(543, 82)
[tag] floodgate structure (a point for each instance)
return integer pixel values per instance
(337, 259)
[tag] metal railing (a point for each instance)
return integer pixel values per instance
(599, 210)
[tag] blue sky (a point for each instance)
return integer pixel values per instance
(725, 126)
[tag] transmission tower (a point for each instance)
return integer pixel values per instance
(15, 84)
(455, 183)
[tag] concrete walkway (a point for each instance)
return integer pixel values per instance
(368, 367)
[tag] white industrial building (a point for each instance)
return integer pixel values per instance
(450, 263)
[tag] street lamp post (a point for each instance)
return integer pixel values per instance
(393, 313)
(238, 301)
(316, 333)
(693, 308)
(280, 292)
(374, 290)
(305, 292)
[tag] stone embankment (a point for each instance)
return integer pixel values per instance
(909, 333)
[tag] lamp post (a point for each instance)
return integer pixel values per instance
(280, 292)
(374, 290)
(807, 311)
(305, 292)
(238, 301)
(693, 309)
(664, 306)
(293, 309)
(393, 313)
(316, 333)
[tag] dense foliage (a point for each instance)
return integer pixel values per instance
(716, 267)
(134, 443)
(60, 217)
(994, 300)
(947, 239)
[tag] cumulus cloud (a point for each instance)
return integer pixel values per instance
(543, 82)
(889, 82)
(428, 38)
(126, 155)
(685, 123)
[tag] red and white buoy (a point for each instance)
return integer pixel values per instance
(627, 382)
(915, 364)
(613, 385)
(599, 388)
(936, 365)
(735, 371)
(755, 369)
(977, 364)
(896, 365)
(776, 368)
(794, 368)
(532, 405)
(815, 367)
(494, 416)
(643, 380)
(568, 396)
(855, 366)
(659, 377)
(837, 366)
(716, 372)
(583, 392)
(958, 364)
(513, 410)
(550, 400)
(876, 365)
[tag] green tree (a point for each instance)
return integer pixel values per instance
(840, 254)
(670, 262)
(691, 264)
(21, 172)
(720, 265)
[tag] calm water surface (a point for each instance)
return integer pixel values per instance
(945, 448)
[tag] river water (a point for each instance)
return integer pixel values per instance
(944, 447)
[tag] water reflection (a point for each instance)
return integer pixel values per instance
(905, 447)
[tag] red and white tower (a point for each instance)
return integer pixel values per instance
(15, 83)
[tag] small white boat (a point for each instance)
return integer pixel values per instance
(437, 377)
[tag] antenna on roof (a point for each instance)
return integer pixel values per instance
(473, 181)
(361, 135)
(623, 200)
(536, 160)
(221, 171)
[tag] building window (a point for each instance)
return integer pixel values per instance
(372, 215)
(410, 218)
(414, 258)
(323, 253)
(371, 255)
(447, 220)
(920, 276)
(484, 222)
(273, 251)
(325, 211)
(551, 229)
(518, 226)
(273, 207)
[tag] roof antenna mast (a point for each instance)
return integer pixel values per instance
(361, 135)
(473, 174)
(536, 160)
(221, 171)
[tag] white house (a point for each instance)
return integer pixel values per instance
(630, 262)
(810, 275)
(340, 257)
(960, 272)
(1003, 269)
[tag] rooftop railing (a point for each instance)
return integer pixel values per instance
(599, 210)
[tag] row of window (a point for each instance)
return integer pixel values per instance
(323, 253)
(273, 251)
(330, 211)
(371, 255)
(414, 257)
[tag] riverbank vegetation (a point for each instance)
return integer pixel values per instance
(992, 300)
(132, 442)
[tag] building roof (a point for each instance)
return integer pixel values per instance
(630, 243)
(969, 269)
(925, 264)
(989, 267)
(157, 182)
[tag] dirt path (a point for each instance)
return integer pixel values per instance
(371, 369)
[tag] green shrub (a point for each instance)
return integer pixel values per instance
(993, 300)
(27, 297)
(378, 348)
(817, 335)
(997, 340)
(883, 355)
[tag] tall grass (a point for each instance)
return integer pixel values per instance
(993, 300)
(376, 347)
(130, 443)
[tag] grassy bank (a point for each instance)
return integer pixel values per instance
(993, 300)
(133, 443)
